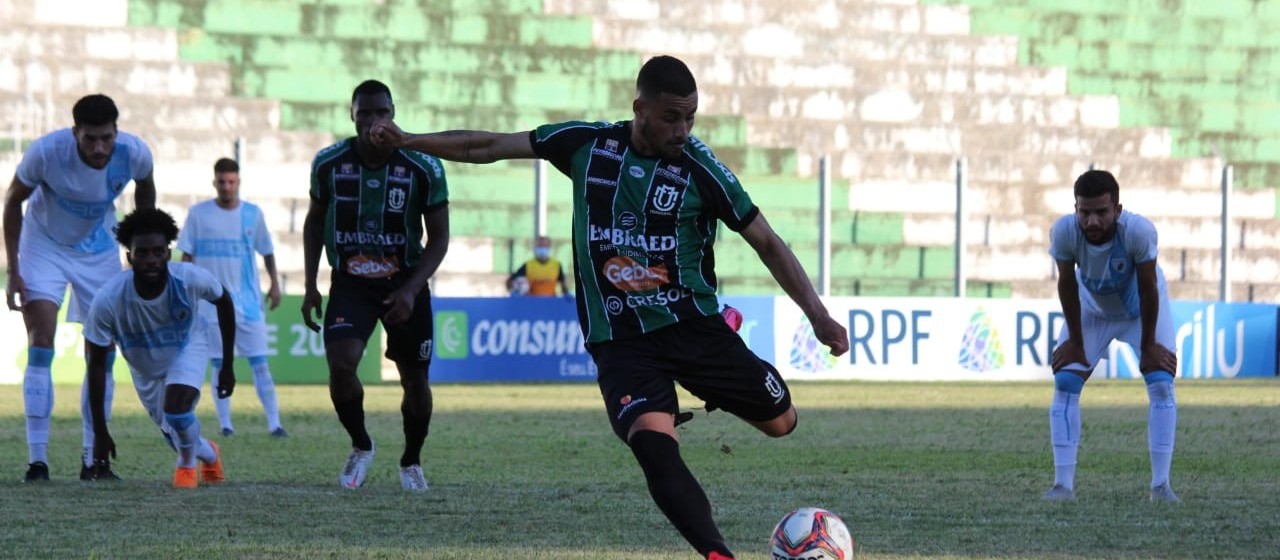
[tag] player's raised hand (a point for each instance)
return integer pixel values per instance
(15, 288)
(399, 306)
(1068, 353)
(1156, 357)
(226, 380)
(311, 304)
(387, 134)
(832, 334)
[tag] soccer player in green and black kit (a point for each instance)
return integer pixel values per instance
(646, 199)
(368, 208)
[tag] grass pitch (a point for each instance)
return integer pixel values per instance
(918, 471)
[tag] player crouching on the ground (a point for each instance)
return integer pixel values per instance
(150, 312)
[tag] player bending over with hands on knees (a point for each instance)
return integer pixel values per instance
(1111, 289)
(646, 197)
(150, 311)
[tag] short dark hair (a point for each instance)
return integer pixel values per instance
(1097, 182)
(665, 74)
(94, 110)
(226, 165)
(143, 221)
(370, 87)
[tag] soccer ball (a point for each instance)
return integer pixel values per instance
(811, 534)
(520, 286)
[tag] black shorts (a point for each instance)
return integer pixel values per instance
(355, 307)
(638, 375)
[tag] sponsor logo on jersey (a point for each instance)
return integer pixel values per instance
(624, 238)
(706, 151)
(636, 171)
(629, 403)
(395, 197)
(398, 171)
(613, 304)
(630, 276)
(606, 154)
(373, 183)
(627, 220)
(372, 267)
(363, 238)
(672, 173)
(660, 297)
(664, 198)
(347, 171)
(610, 183)
(611, 145)
(371, 225)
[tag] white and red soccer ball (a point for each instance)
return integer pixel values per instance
(811, 534)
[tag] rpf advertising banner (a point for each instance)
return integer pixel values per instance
(935, 339)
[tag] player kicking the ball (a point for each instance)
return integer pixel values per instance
(151, 312)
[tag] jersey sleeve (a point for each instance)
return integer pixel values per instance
(202, 284)
(140, 162)
(725, 198)
(186, 235)
(557, 143)
(262, 236)
(99, 326)
(436, 192)
(31, 170)
(1063, 239)
(1141, 240)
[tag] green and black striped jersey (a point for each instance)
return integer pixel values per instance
(643, 227)
(374, 226)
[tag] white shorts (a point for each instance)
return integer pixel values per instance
(251, 336)
(1099, 331)
(187, 369)
(48, 267)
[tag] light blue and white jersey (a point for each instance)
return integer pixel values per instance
(152, 333)
(224, 242)
(1107, 273)
(74, 204)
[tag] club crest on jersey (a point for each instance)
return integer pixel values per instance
(395, 197)
(664, 198)
(373, 183)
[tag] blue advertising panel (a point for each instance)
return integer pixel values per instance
(508, 339)
(1214, 340)
(757, 322)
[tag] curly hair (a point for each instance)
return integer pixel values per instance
(143, 221)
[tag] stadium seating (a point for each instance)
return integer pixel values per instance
(1029, 92)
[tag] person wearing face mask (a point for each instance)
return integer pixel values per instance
(1111, 289)
(647, 196)
(70, 179)
(540, 274)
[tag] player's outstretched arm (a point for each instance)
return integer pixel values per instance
(312, 243)
(469, 146)
(1070, 351)
(227, 327)
(144, 192)
(104, 447)
(18, 193)
(790, 274)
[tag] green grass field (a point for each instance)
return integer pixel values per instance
(532, 471)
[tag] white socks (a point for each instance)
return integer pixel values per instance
(1162, 420)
